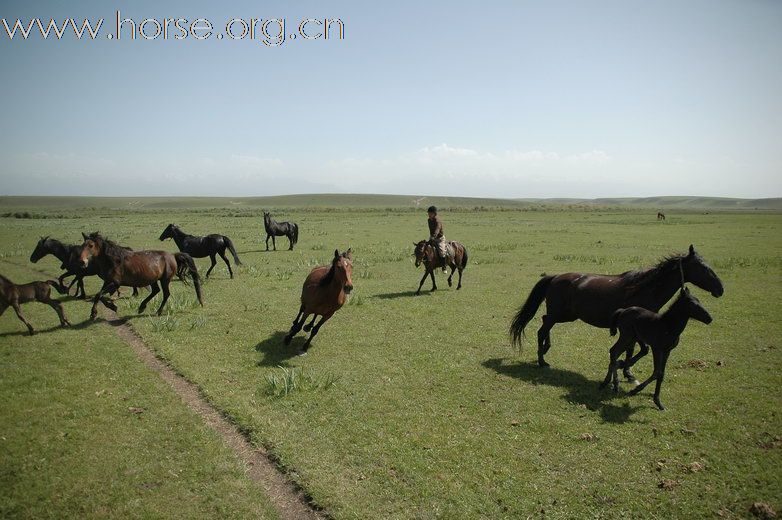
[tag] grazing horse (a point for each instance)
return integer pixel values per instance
(69, 256)
(324, 292)
(660, 331)
(594, 298)
(119, 266)
(280, 229)
(12, 295)
(200, 247)
(425, 253)
(660, 216)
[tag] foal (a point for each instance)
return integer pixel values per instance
(12, 295)
(324, 293)
(660, 331)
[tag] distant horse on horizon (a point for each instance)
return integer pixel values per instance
(200, 247)
(280, 229)
(594, 298)
(660, 215)
(324, 292)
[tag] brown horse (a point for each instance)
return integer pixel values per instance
(12, 295)
(324, 292)
(594, 298)
(425, 253)
(120, 267)
(649, 329)
(660, 215)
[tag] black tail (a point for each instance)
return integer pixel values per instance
(614, 319)
(295, 235)
(232, 250)
(184, 265)
(56, 285)
(465, 256)
(528, 310)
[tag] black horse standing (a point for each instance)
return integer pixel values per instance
(200, 247)
(280, 229)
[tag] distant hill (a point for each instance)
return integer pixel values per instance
(14, 203)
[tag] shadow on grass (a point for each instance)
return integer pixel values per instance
(275, 353)
(23, 332)
(581, 391)
(393, 296)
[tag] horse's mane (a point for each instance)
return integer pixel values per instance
(110, 248)
(641, 278)
(326, 280)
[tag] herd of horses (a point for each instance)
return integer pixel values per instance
(626, 303)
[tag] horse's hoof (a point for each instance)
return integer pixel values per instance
(66, 324)
(543, 364)
(634, 391)
(302, 353)
(31, 332)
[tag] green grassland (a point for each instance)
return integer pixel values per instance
(417, 407)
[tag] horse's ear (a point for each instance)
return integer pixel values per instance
(336, 253)
(84, 235)
(692, 249)
(349, 253)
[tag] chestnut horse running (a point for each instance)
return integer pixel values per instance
(425, 253)
(12, 295)
(119, 267)
(594, 298)
(324, 292)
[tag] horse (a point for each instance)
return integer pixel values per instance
(200, 247)
(594, 298)
(12, 295)
(425, 253)
(660, 215)
(68, 255)
(660, 331)
(120, 267)
(324, 292)
(280, 229)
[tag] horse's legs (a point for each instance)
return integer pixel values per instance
(308, 326)
(660, 377)
(290, 239)
(164, 283)
(544, 339)
(214, 263)
(631, 360)
(267, 241)
(135, 291)
(227, 263)
(80, 285)
(107, 288)
(315, 330)
(274, 242)
(450, 277)
(459, 285)
(423, 279)
(57, 306)
(613, 356)
(434, 285)
(15, 305)
(3, 307)
(657, 357)
(296, 327)
(155, 288)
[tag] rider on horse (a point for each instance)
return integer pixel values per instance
(436, 237)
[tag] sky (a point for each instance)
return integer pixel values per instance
(487, 99)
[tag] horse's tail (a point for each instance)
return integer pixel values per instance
(56, 285)
(295, 234)
(465, 256)
(232, 250)
(614, 319)
(528, 310)
(184, 265)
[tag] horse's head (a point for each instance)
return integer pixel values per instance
(91, 248)
(343, 269)
(41, 250)
(693, 306)
(266, 215)
(168, 232)
(419, 252)
(698, 272)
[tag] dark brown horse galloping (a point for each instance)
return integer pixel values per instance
(324, 292)
(12, 295)
(200, 247)
(425, 253)
(594, 298)
(119, 267)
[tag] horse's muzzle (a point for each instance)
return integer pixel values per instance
(85, 263)
(347, 289)
(719, 291)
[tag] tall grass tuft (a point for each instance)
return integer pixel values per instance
(287, 380)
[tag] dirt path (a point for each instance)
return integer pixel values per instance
(285, 496)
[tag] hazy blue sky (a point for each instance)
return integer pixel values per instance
(508, 99)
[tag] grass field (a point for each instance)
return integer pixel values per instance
(417, 407)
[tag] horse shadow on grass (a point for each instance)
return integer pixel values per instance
(275, 353)
(54, 328)
(581, 391)
(393, 296)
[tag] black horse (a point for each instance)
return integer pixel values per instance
(280, 229)
(68, 255)
(200, 247)
(594, 298)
